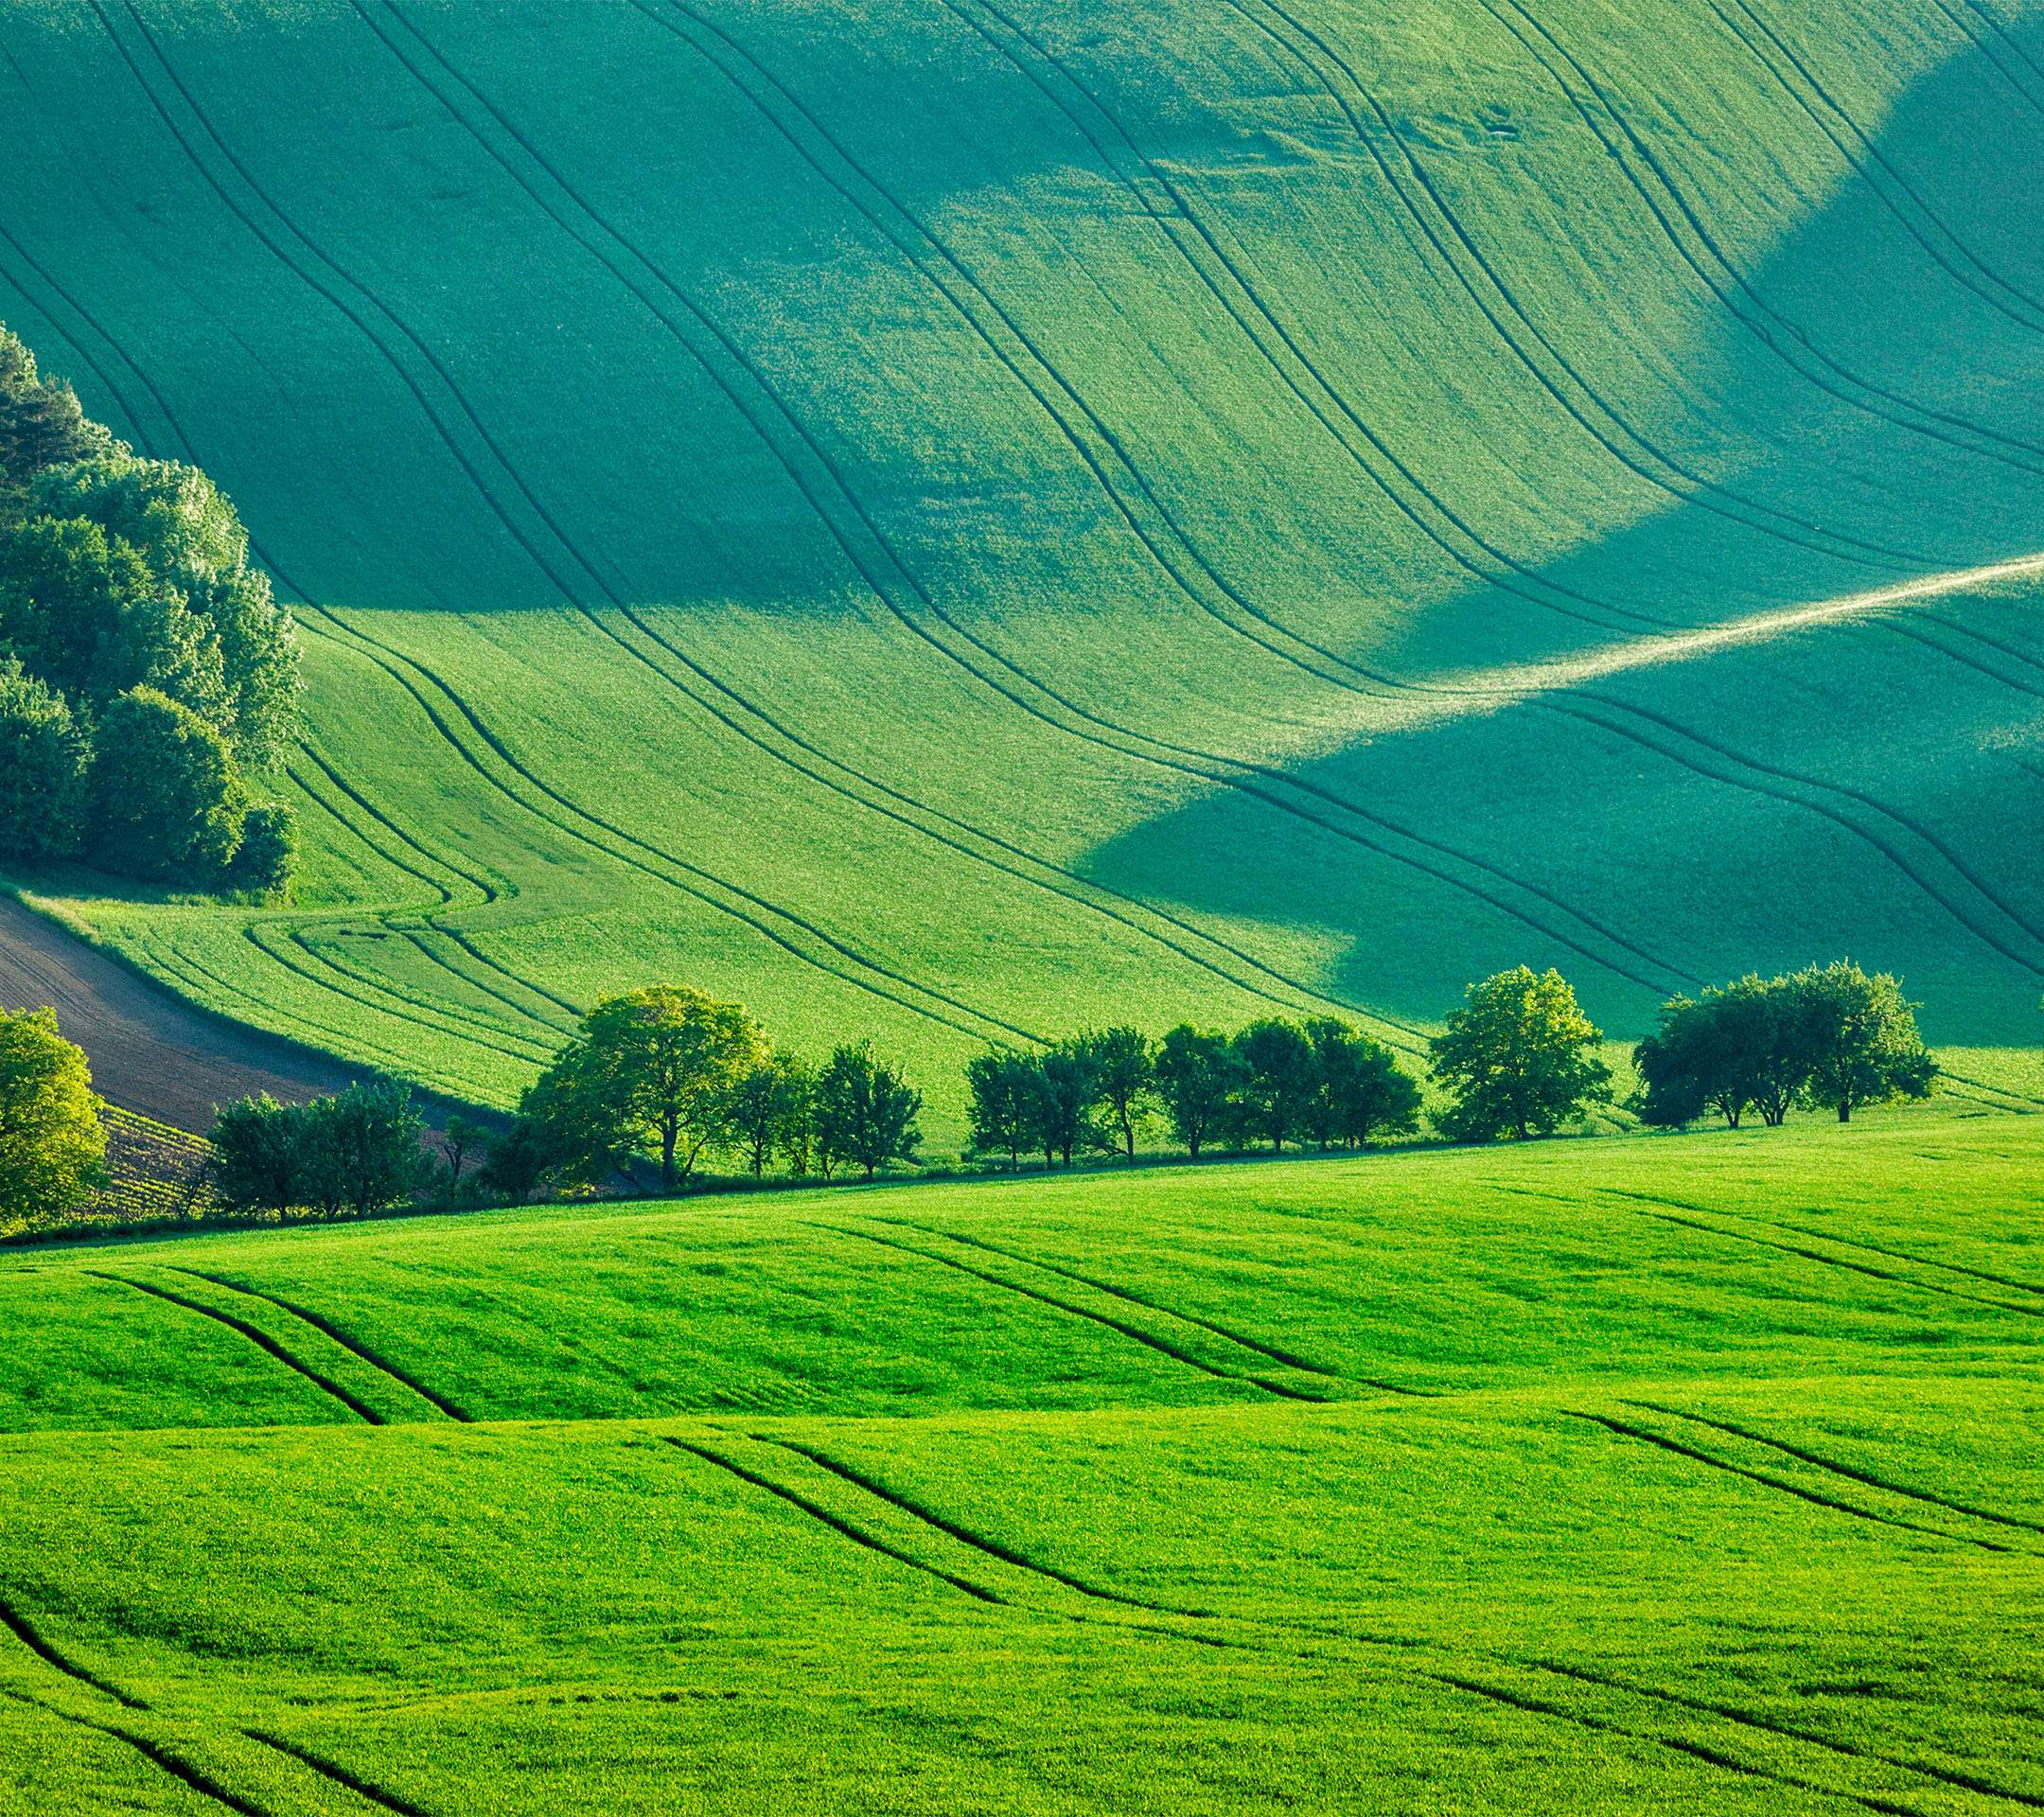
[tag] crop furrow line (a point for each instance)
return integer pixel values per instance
(1829, 1261)
(1992, 44)
(1960, 657)
(175, 1765)
(1850, 1243)
(1255, 1345)
(1149, 1340)
(756, 379)
(1696, 488)
(1790, 335)
(1906, 822)
(261, 1339)
(1524, 578)
(547, 1043)
(483, 1028)
(328, 1328)
(552, 1023)
(1695, 1750)
(411, 384)
(1812, 86)
(1835, 816)
(980, 1542)
(475, 878)
(837, 1524)
(2007, 37)
(325, 803)
(340, 1777)
(1748, 1719)
(862, 564)
(1675, 1446)
(1850, 1472)
(1123, 457)
(50, 1654)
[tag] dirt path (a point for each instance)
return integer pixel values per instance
(152, 1052)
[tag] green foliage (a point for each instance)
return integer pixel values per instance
(52, 1143)
(1278, 1083)
(1859, 1036)
(170, 803)
(1517, 1059)
(772, 1112)
(357, 1152)
(45, 761)
(1198, 1074)
(40, 424)
(1359, 1093)
(1001, 1101)
(1124, 1079)
(865, 1112)
(264, 862)
(653, 1071)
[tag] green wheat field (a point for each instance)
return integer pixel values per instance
(960, 519)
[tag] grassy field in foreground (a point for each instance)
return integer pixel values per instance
(957, 519)
(1670, 1473)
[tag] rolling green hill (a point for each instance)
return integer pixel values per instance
(954, 522)
(1692, 1474)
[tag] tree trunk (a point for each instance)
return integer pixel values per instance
(1128, 1135)
(668, 1134)
(1844, 1110)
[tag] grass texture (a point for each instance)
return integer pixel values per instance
(1636, 1474)
(957, 518)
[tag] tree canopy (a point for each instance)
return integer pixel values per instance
(1518, 1059)
(52, 1143)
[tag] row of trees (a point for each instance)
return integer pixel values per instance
(148, 680)
(1273, 1082)
(357, 1152)
(672, 1073)
(1829, 1036)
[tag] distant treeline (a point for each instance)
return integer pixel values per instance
(148, 680)
(669, 1077)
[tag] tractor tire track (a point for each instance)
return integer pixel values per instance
(261, 1339)
(1992, 44)
(2026, 312)
(48, 1652)
(329, 1329)
(1748, 1719)
(816, 1511)
(1849, 1243)
(1678, 1449)
(176, 1766)
(1784, 336)
(1519, 577)
(1695, 488)
(1851, 1473)
(1254, 1345)
(411, 384)
(340, 1777)
(1108, 733)
(978, 1542)
(1149, 1340)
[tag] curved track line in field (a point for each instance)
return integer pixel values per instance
(1104, 732)
(434, 1006)
(1033, 357)
(1749, 1720)
(326, 1326)
(340, 1777)
(1849, 1243)
(1812, 1255)
(1851, 1473)
(1148, 1339)
(47, 1651)
(837, 1524)
(1784, 337)
(2021, 308)
(262, 1340)
(1520, 579)
(487, 889)
(178, 1768)
(2007, 37)
(1689, 486)
(1674, 1446)
(1254, 1345)
(397, 366)
(1993, 45)
(965, 1536)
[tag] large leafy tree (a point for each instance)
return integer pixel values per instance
(1730, 1050)
(771, 1109)
(1124, 1079)
(654, 1070)
(40, 424)
(1860, 1038)
(998, 1107)
(52, 1141)
(44, 768)
(171, 803)
(1197, 1072)
(1359, 1092)
(866, 1111)
(1518, 1058)
(1277, 1083)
